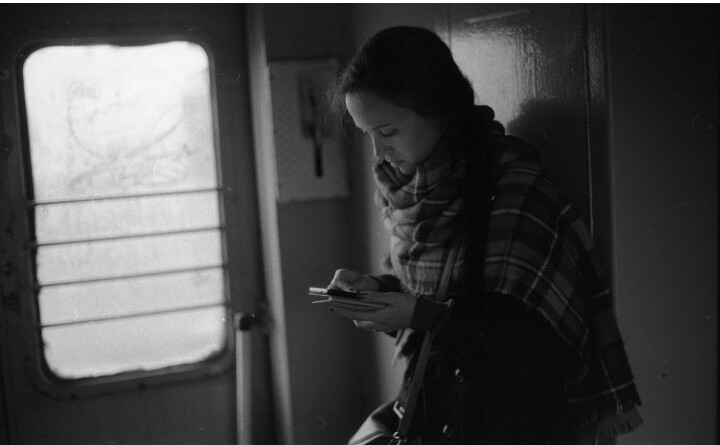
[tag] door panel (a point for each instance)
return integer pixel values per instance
(180, 404)
(541, 68)
(528, 63)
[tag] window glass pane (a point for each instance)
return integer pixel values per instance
(88, 220)
(107, 120)
(134, 344)
(128, 232)
(126, 257)
(115, 298)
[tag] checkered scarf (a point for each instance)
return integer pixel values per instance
(422, 214)
(538, 251)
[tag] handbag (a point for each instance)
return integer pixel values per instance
(390, 423)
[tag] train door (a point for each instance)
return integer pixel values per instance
(541, 67)
(529, 63)
(129, 223)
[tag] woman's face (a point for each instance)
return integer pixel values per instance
(399, 135)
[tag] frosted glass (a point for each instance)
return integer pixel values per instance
(136, 344)
(128, 216)
(124, 257)
(108, 120)
(129, 255)
(113, 298)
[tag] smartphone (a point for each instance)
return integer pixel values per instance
(341, 298)
(324, 292)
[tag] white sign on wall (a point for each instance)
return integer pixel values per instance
(309, 146)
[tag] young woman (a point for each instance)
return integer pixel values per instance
(526, 349)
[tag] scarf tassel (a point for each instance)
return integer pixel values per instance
(622, 424)
(613, 422)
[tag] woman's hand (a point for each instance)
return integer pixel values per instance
(352, 281)
(397, 313)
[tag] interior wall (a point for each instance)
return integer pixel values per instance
(329, 360)
(663, 78)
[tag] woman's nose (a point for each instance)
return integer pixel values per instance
(378, 149)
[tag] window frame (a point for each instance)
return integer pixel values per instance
(22, 226)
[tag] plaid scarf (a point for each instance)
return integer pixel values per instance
(538, 251)
(422, 214)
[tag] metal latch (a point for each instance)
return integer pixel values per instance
(248, 321)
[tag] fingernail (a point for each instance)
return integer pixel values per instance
(351, 289)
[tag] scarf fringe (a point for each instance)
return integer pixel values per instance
(614, 426)
(614, 421)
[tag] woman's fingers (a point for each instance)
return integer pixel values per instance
(342, 279)
(397, 313)
(359, 314)
(372, 326)
(364, 319)
(346, 279)
(350, 280)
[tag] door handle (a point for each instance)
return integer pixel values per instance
(260, 321)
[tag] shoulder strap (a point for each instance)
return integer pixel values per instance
(417, 378)
(448, 270)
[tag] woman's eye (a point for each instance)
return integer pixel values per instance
(387, 132)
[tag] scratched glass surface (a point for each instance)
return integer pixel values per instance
(83, 220)
(128, 234)
(74, 303)
(99, 260)
(134, 344)
(106, 120)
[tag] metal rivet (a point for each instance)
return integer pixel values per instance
(448, 430)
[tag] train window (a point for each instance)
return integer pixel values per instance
(126, 207)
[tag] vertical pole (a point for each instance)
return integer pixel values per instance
(266, 168)
(243, 375)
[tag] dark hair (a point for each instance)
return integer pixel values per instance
(412, 68)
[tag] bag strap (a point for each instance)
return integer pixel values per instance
(400, 435)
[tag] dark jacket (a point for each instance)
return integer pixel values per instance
(495, 376)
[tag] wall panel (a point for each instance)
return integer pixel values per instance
(663, 71)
